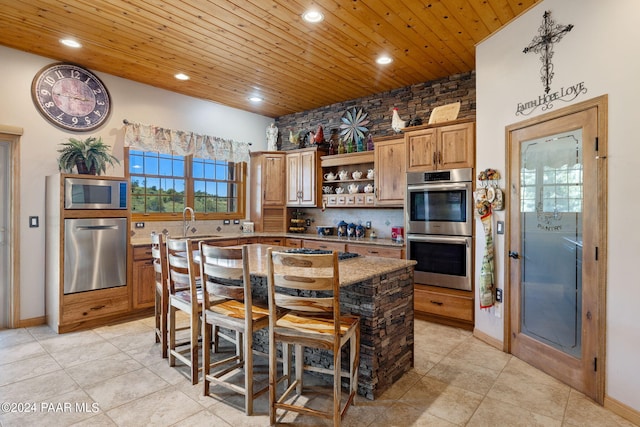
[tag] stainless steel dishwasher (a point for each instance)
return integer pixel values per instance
(95, 254)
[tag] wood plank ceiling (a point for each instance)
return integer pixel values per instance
(237, 48)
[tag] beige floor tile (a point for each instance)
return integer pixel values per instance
(463, 374)
(162, 408)
(148, 353)
(119, 329)
(11, 337)
(99, 370)
(125, 388)
(474, 351)
(204, 418)
(39, 389)
(582, 411)
(400, 387)
(20, 352)
(27, 368)
(403, 415)
(100, 420)
(65, 342)
(442, 400)
(140, 338)
(492, 413)
(42, 332)
(84, 353)
(522, 385)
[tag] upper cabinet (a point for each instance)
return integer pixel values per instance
(267, 190)
(390, 172)
(445, 146)
(303, 168)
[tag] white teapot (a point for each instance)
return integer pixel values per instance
(330, 176)
(370, 174)
(353, 188)
(356, 175)
(343, 174)
(368, 188)
(339, 190)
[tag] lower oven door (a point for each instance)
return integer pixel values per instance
(443, 261)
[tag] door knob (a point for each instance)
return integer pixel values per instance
(514, 255)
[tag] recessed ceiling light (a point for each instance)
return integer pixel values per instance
(255, 99)
(384, 60)
(181, 76)
(70, 43)
(312, 16)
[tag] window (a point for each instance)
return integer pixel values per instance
(163, 184)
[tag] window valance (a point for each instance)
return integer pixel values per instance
(168, 141)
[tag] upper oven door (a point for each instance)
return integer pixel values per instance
(440, 208)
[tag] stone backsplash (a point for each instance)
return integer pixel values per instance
(415, 101)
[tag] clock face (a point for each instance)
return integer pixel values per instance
(71, 97)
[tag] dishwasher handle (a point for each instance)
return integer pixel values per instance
(96, 227)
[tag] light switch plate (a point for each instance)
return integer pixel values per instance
(226, 222)
(34, 222)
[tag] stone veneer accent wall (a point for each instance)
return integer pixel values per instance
(412, 101)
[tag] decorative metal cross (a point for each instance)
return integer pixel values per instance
(550, 33)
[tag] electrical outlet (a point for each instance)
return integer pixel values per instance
(236, 221)
(367, 224)
(498, 295)
(139, 224)
(226, 221)
(307, 222)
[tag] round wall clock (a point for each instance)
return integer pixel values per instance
(71, 97)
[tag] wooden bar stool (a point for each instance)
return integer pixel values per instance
(313, 285)
(228, 304)
(159, 254)
(185, 296)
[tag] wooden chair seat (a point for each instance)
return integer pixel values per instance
(319, 328)
(236, 310)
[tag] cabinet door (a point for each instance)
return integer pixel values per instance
(307, 178)
(293, 177)
(421, 150)
(390, 176)
(273, 180)
(144, 284)
(456, 146)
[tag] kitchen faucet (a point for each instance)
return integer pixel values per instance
(185, 223)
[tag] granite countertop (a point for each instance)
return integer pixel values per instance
(146, 239)
(352, 270)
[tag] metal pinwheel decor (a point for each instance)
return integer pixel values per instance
(353, 125)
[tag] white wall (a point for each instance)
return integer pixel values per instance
(39, 144)
(601, 50)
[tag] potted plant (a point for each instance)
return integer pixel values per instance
(89, 156)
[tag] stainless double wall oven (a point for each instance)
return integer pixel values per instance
(439, 227)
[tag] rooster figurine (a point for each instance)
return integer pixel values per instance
(397, 124)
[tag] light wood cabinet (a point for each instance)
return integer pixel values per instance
(375, 250)
(143, 278)
(302, 175)
(390, 172)
(435, 147)
(443, 305)
(267, 208)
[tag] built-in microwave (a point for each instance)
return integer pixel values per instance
(440, 202)
(88, 193)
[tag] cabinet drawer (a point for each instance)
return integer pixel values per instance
(277, 241)
(328, 246)
(441, 304)
(373, 250)
(94, 304)
(142, 252)
(294, 243)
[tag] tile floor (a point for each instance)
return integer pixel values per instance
(114, 375)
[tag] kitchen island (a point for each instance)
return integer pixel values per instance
(380, 291)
